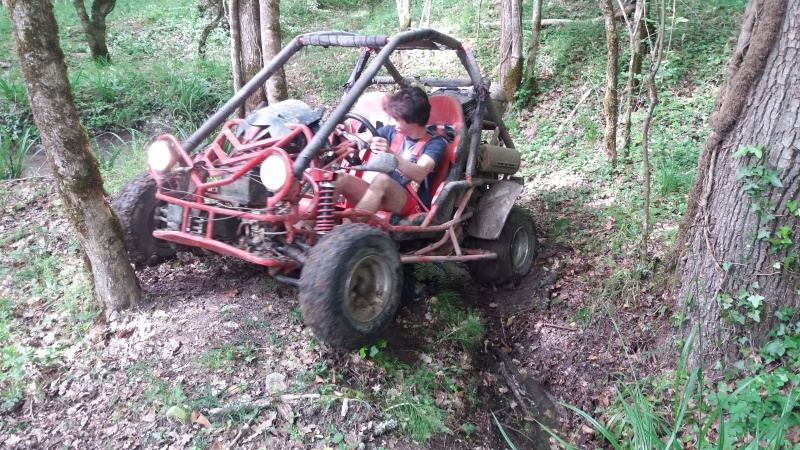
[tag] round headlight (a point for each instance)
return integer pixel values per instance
(274, 172)
(160, 156)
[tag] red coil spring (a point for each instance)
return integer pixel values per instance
(327, 203)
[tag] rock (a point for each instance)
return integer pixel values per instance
(275, 383)
(384, 427)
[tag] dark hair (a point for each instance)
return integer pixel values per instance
(410, 104)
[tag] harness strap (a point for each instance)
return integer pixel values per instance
(396, 146)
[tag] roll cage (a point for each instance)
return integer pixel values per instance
(365, 75)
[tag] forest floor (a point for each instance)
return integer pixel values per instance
(222, 344)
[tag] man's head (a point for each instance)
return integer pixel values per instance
(411, 105)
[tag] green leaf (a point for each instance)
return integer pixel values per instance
(362, 352)
(726, 266)
(758, 150)
(743, 172)
(177, 412)
(773, 180)
(373, 351)
(762, 234)
(775, 348)
(755, 300)
(337, 438)
(743, 151)
(468, 428)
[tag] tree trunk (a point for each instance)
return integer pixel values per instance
(637, 32)
(201, 46)
(533, 45)
(271, 43)
(610, 102)
(95, 26)
(250, 27)
(75, 170)
(510, 69)
(404, 14)
(722, 251)
(236, 50)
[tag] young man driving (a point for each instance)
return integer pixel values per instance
(417, 152)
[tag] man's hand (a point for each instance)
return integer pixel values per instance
(379, 144)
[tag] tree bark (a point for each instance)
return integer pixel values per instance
(236, 50)
(637, 31)
(95, 26)
(201, 46)
(250, 27)
(404, 14)
(510, 69)
(610, 102)
(718, 250)
(271, 42)
(75, 170)
(533, 45)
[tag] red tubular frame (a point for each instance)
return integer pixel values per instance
(248, 156)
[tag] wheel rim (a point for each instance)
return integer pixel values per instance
(157, 224)
(367, 289)
(520, 248)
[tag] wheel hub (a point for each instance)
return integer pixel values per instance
(520, 247)
(367, 289)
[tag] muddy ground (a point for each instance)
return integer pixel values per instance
(223, 344)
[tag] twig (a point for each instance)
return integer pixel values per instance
(240, 435)
(260, 403)
(570, 117)
(513, 379)
(557, 327)
(19, 180)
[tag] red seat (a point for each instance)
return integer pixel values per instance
(445, 111)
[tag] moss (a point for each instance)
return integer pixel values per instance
(87, 179)
(513, 79)
(116, 226)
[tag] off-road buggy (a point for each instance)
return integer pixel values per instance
(263, 190)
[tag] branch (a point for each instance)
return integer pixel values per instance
(260, 403)
(619, 15)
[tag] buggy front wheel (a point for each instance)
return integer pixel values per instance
(350, 285)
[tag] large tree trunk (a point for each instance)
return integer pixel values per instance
(510, 69)
(271, 43)
(721, 248)
(246, 57)
(404, 14)
(251, 48)
(95, 26)
(610, 102)
(533, 45)
(75, 170)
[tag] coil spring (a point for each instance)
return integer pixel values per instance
(327, 203)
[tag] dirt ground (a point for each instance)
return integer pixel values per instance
(217, 333)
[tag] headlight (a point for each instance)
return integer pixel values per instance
(274, 172)
(160, 156)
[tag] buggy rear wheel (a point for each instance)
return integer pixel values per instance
(136, 206)
(350, 285)
(515, 248)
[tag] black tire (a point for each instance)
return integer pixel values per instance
(516, 250)
(350, 286)
(136, 206)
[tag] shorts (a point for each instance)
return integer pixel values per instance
(412, 206)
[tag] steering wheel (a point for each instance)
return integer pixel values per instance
(356, 160)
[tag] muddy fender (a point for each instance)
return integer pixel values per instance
(493, 209)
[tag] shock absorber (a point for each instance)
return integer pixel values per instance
(327, 203)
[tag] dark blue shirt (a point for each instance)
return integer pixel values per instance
(434, 148)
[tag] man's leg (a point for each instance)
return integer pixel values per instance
(385, 194)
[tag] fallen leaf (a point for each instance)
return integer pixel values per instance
(592, 358)
(493, 305)
(125, 333)
(177, 412)
(603, 399)
(150, 416)
(587, 429)
(196, 417)
(318, 379)
(286, 412)
(233, 389)
(231, 294)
